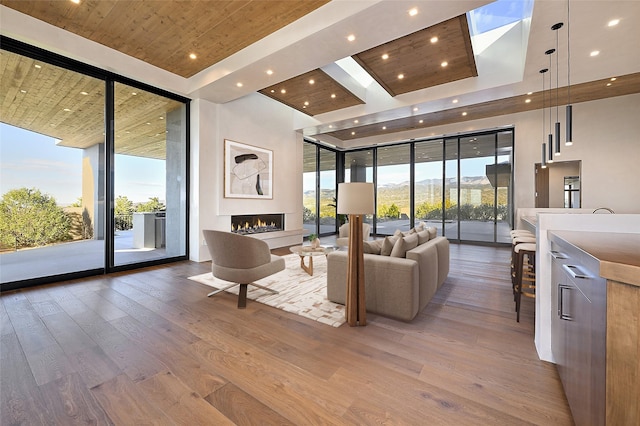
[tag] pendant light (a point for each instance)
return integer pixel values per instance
(550, 137)
(555, 28)
(569, 108)
(544, 145)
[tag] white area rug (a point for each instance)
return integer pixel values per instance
(299, 293)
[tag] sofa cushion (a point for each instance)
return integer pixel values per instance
(404, 244)
(423, 236)
(433, 232)
(372, 247)
(387, 245)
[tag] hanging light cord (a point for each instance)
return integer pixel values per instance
(568, 58)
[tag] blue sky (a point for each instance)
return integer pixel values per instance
(33, 160)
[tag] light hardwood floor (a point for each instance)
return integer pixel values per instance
(148, 347)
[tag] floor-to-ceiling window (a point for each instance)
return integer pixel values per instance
(149, 176)
(309, 188)
(393, 189)
(460, 185)
(428, 182)
(52, 181)
(82, 154)
(319, 182)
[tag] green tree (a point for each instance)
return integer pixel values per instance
(78, 203)
(153, 205)
(124, 206)
(29, 218)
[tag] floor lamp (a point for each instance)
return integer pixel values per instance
(355, 199)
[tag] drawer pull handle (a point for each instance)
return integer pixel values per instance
(575, 271)
(558, 255)
(561, 313)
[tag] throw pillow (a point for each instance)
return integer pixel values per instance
(419, 227)
(403, 245)
(423, 236)
(433, 232)
(387, 245)
(372, 247)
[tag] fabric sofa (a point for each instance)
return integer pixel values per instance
(397, 284)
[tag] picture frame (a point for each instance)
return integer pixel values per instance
(248, 171)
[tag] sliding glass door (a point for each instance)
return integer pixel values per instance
(149, 176)
(78, 145)
(52, 177)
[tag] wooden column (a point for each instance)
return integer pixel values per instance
(355, 308)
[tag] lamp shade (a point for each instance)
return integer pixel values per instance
(355, 198)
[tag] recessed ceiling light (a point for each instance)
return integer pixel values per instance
(161, 118)
(331, 126)
(384, 127)
(192, 55)
(67, 110)
(273, 91)
(415, 109)
(306, 103)
(23, 91)
(356, 121)
(239, 84)
(304, 106)
(269, 72)
(353, 133)
(421, 121)
(608, 84)
(613, 22)
(333, 96)
(84, 93)
(312, 81)
(38, 66)
(614, 78)
(385, 56)
(351, 37)
(283, 91)
(455, 101)
(75, 1)
(434, 39)
(133, 93)
(527, 101)
(529, 93)
(594, 53)
(413, 12)
(400, 76)
(444, 64)
(464, 113)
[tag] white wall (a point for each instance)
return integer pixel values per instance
(254, 120)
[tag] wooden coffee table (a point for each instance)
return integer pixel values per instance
(308, 252)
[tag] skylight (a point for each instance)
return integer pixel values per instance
(490, 22)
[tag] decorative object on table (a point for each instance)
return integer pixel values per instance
(240, 260)
(248, 171)
(355, 199)
(314, 241)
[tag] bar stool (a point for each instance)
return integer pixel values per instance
(514, 242)
(521, 233)
(525, 273)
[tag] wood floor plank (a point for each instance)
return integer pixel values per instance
(126, 405)
(21, 402)
(180, 403)
(243, 409)
(148, 347)
(69, 402)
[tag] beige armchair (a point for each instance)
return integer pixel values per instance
(241, 260)
(343, 234)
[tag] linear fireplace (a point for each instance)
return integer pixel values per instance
(257, 223)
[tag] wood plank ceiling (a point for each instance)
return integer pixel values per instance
(165, 33)
(435, 55)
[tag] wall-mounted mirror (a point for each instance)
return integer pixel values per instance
(558, 185)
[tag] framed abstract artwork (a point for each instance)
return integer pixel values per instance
(248, 171)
